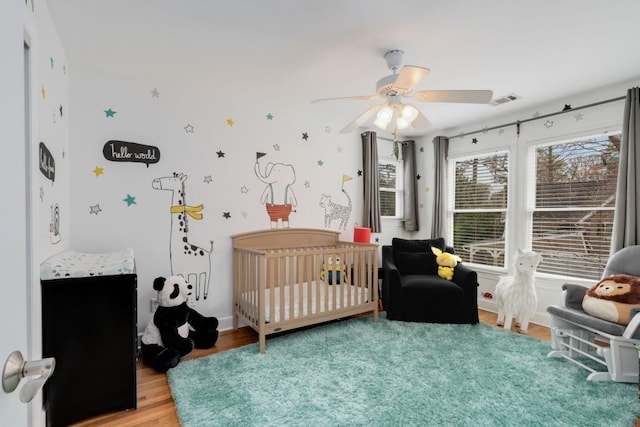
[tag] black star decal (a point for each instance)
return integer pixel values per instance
(359, 172)
(567, 107)
(220, 154)
(418, 177)
(305, 136)
(474, 141)
(61, 111)
(226, 215)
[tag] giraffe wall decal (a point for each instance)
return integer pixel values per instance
(187, 260)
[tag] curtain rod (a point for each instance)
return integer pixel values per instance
(519, 122)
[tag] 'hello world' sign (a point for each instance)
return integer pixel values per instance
(124, 151)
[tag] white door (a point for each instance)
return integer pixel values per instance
(14, 180)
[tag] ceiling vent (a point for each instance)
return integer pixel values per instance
(504, 99)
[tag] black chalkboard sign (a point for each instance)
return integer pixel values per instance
(124, 151)
(47, 163)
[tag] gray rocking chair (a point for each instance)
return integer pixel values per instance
(589, 341)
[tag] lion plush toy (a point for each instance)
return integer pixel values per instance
(446, 263)
(613, 298)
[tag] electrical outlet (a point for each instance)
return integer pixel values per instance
(154, 304)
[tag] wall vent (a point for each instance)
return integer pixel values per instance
(504, 99)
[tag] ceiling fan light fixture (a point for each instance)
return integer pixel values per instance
(384, 116)
(409, 113)
(401, 123)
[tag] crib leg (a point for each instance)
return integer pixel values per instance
(263, 343)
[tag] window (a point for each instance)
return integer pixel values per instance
(573, 203)
(480, 208)
(391, 186)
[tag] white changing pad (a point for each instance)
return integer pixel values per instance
(78, 264)
(347, 295)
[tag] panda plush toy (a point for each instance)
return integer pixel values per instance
(176, 328)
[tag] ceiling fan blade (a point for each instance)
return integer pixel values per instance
(408, 77)
(421, 123)
(360, 98)
(464, 96)
(362, 119)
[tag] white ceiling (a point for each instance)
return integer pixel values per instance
(540, 50)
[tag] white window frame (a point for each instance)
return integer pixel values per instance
(531, 184)
(399, 187)
(507, 211)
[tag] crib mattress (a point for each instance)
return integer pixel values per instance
(347, 295)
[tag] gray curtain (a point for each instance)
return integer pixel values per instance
(410, 199)
(441, 152)
(371, 214)
(625, 220)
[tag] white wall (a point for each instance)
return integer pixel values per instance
(588, 121)
(234, 188)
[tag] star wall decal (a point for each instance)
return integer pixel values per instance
(155, 93)
(244, 214)
(418, 177)
(207, 179)
(474, 141)
(63, 154)
(51, 60)
(579, 117)
(95, 209)
(188, 128)
(548, 124)
(269, 116)
(220, 153)
(501, 131)
(230, 122)
(422, 149)
(110, 113)
(130, 200)
(226, 215)
(307, 184)
(276, 147)
(485, 129)
(98, 171)
(359, 172)
(567, 107)
(320, 163)
(327, 129)
(244, 189)
(60, 110)
(44, 92)
(64, 70)
(305, 136)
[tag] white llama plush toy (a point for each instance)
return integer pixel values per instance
(516, 294)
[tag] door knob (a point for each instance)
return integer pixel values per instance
(16, 368)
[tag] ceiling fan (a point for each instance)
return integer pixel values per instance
(394, 113)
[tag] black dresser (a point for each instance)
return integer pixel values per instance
(89, 325)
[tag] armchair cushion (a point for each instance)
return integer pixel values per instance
(410, 263)
(404, 245)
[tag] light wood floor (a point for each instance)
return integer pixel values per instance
(155, 404)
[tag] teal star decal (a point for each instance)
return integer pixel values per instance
(51, 59)
(320, 163)
(130, 200)
(110, 112)
(269, 116)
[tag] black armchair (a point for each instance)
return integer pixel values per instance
(413, 291)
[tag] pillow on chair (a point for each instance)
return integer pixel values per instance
(415, 256)
(613, 298)
(416, 263)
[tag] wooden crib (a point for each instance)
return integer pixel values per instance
(289, 278)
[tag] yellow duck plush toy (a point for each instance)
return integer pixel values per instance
(446, 263)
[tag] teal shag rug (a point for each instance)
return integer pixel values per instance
(360, 373)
